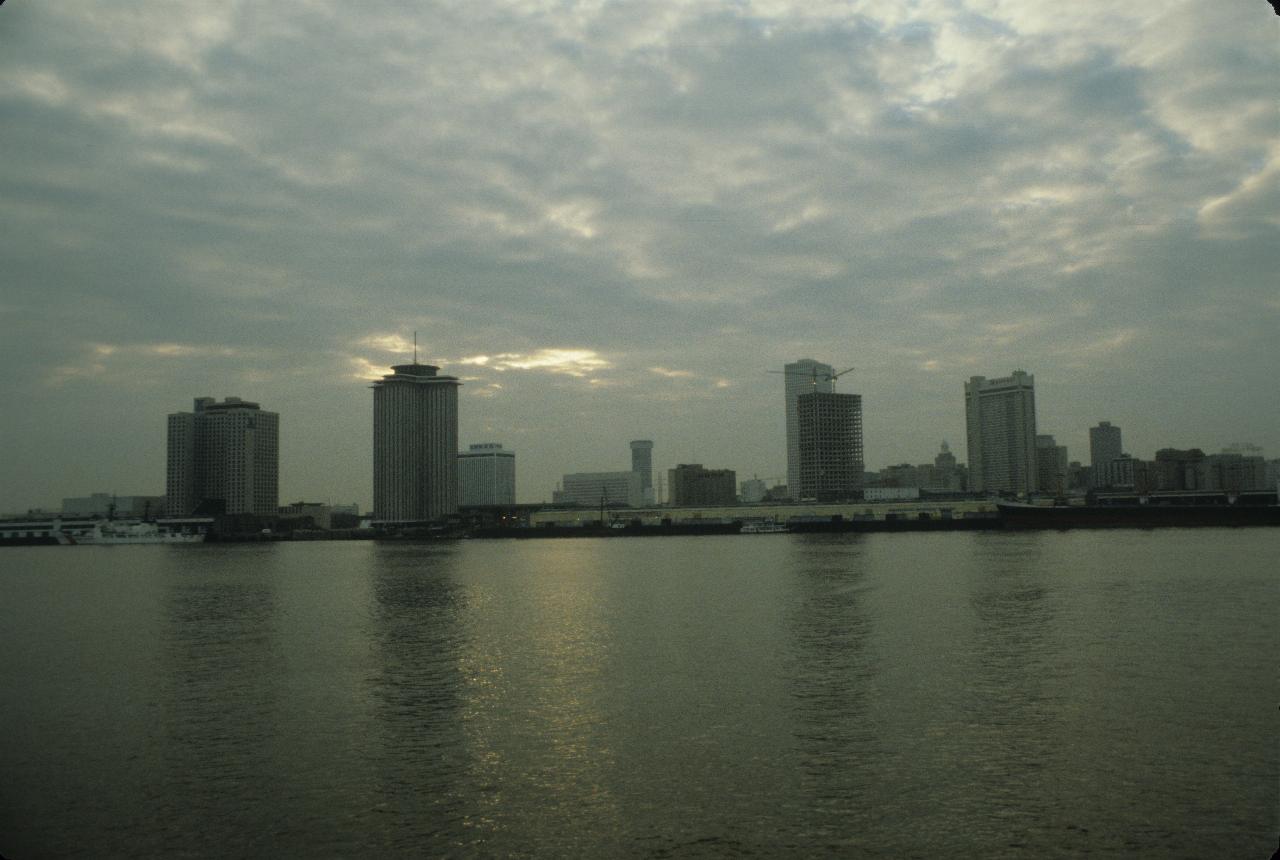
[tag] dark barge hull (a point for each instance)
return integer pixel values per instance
(630, 530)
(1137, 516)
(935, 524)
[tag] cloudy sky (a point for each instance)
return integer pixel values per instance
(611, 219)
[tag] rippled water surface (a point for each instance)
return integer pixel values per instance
(916, 695)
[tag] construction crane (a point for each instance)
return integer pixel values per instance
(813, 375)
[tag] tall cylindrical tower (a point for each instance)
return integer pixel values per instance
(415, 444)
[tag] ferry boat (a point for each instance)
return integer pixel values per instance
(135, 532)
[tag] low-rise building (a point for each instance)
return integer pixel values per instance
(109, 505)
(752, 490)
(592, 489)
(890, 494)
(1235, 473)
(320, 514)
(691, 485)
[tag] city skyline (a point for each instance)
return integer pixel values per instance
(618, 231)
(641, 450)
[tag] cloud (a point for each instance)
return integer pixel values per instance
(279, 196)
(570, 362)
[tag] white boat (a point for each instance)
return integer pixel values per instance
(132, 532)
(763, 528)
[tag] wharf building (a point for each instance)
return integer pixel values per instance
(830, 446)
(593, 489)
(486, 475)
(691, 485)
(320, 514)
(805, 376)
(415, 445)
(642, 464)
(1000, 422)
(107, 505)
(223, 458)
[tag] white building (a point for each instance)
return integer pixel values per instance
(226, 454)
(751, 491)
(415, 444)
(1000, 421)
(486, 475)
(805, 376)
(591, 489)
(890, 494)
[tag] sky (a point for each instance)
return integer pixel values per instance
(612, 219)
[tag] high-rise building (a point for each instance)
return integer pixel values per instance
(693, 486)
(1000, 422)
(830, 438)
(591, 489)
(223, 456)
(415, 444)
(642, 465)
(486, 475)
(1051, 465)
(805, 376)
(1104, 444)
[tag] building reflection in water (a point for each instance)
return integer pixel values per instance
(1009, 712)
(220, 693)
(831, 677)
(419, 754)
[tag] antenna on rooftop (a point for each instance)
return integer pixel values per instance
(415, 347)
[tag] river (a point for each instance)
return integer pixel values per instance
(978, 694)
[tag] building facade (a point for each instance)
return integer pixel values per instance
(805, 376)
(751, 491)
(224, 457)
(1051, 465)
(830, 437)
(1000, 423)
(1235, 473)
(946, 474)
(415, 445)
(690, 485)
(1104, 447)
(486, 475)
(642, 465)
(593, 489)
(108, 505)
